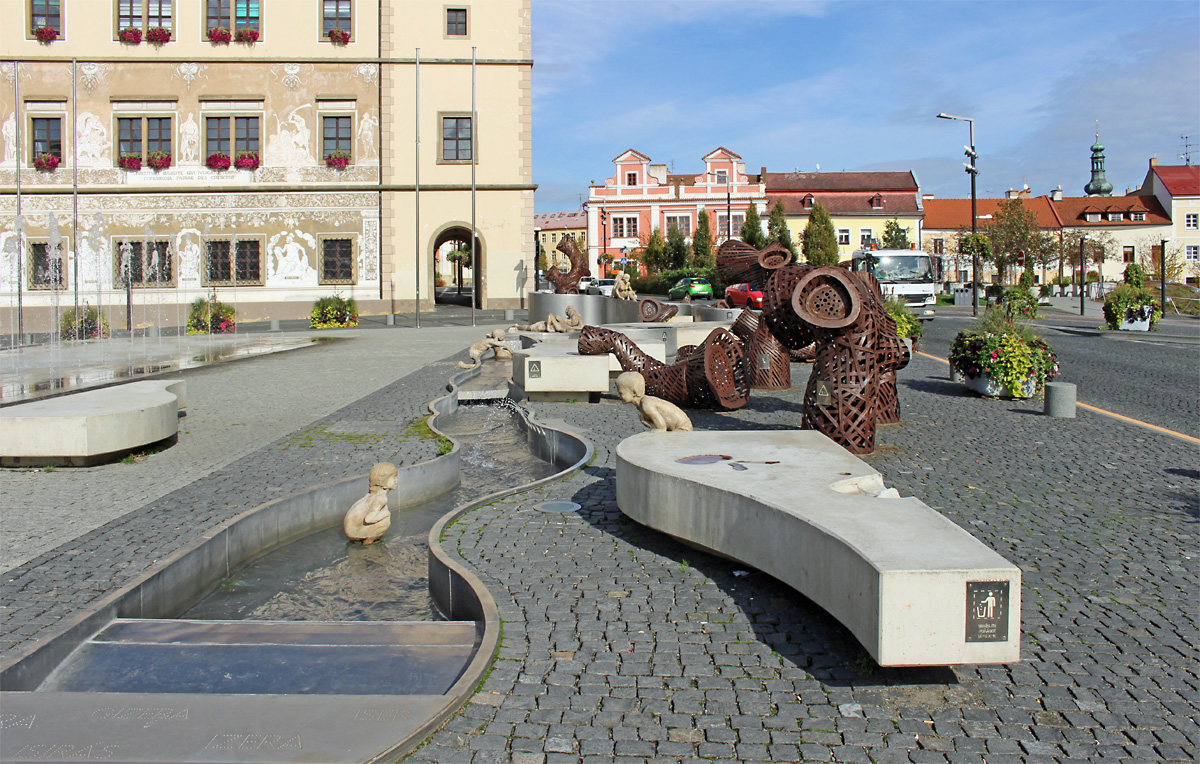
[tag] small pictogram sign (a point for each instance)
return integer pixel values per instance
(824, 392)
(987, 611)
(535, 369)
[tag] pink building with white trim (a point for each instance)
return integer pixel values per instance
(641, 196)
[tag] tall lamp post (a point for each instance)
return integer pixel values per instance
(972, 170)
(728, 204)
(604, 222)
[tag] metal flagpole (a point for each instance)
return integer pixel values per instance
(19, 228)
(475, 285)
(417, 192)
(75, 193)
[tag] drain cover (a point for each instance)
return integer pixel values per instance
(558, 505)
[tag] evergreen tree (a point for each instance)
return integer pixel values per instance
(820, 239)
(752, 228)
(677, 248)
(777, 227)
(702, 254)
(655, 254)
(895, 237)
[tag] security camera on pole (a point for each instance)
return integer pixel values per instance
(973, 171)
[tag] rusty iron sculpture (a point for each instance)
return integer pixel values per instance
(653, 311)
(767, 361)
(711, 375)
(738, 262)
(852, 385)
(568, 283)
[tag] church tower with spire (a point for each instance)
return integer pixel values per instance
(1098, 185)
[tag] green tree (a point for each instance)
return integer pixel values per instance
(751, 232)
(655, 253)
(1014, 229)
(702, 255)
(895, 236)
(820, 240)
(974, 245)
(777, 227)
(677, 248)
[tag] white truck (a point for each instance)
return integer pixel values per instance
(909, 275)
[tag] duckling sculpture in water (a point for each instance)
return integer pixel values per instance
(369, 517)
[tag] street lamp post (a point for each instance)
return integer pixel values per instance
(604, 222)
(728, 204)
(1082, 273)
(973, 171)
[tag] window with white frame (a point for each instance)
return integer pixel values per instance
(135, 263)
(47, 265)
(843, 237)
(1093, 217)
(1138, 217)
(722, 176)
(631, 178)
(1116, 217)
(1191, 221)
(233, 14)
(682, 222)
(336, 134)
(456, 139)
(336, 14)
(723, 224)
(45, 13)
(145, 14)
(624, 227)
(141, 136)
(865, 235)
(1191, 253)
(46, 137)
(231, 136)
(939, 246)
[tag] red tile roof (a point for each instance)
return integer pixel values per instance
(858, 203)
(1073, 210)
(550, 221)
(952, 214)
(840, 181)
(1180, 180)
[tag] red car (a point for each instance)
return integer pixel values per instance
(741, 295)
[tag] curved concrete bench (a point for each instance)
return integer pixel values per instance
(913, 587)
(92, 426)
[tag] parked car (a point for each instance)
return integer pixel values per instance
(584, 283)
(602, 287)
(742, 296)
(690, 286)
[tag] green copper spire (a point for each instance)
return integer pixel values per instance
(1098, 185)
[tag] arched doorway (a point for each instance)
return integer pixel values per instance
(453, 266)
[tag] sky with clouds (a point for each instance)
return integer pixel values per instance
(793, 84)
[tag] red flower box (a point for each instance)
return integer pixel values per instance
(131, 162)
(217, 161)
(46, 162)
(158, 160)
(339, 36)
(130, 36)
(219, 36)
(246, 160)
(337, 160)
(247, 35)
(45, 35)
(158, 35)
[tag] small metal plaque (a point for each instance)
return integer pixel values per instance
(535, 370)
(987, 611)
(824, 393)
(764, 361)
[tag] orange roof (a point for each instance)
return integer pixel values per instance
(1180, 180)
(952, 214)
(1073, 210)
(846, 203)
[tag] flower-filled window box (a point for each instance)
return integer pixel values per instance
(247, 35)
(130, 36)
(158, 160)
(246, 160)
(219, 36)
(45, 35)
(46, 162)
(158, 35)
(131, 162)
(338, 160)
(339, 36)
(1000, 358)
(217, 161)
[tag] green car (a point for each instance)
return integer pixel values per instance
(693, 287)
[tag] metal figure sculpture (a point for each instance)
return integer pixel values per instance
(653, 311)
(894, 354)
(768, 364)
(568, 283)
(711, 375)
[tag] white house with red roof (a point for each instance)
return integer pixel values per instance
(1177, 189)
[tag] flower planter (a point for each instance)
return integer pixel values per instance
(247, 160)
(158, 36)
(337, 160)
(130, 162)
(130, 36)
(219, 36)
(1134, 324)
(158, 160)
(45, 35)
(339, 36)
(217, 162)
(247, 36)
(46, 162)
(991, 388)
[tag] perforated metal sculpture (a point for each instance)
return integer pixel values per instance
(653, 311)
(738, 262)
(852, 386)
(767, 363)
(711, 375)
(568, 283)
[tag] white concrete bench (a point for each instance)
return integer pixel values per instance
(92, 426)
(555, 371)
(913, 587)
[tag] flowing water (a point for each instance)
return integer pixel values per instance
(324, 577)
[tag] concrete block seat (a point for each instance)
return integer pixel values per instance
(913, 587)
(92, 426)
(554, 370)
(672, 335)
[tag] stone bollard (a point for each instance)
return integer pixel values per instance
(1060, 400)
(955, 376)
(274, 324)
(509, 314)
(390, 320)
(151, 331)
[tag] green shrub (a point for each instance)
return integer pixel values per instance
(659, 283)
(1018, 302)
(1045, 291)
(1131, 302)
(907, 324)
(89, 326)
(334, 312)
(1135, 276)
(210, 316)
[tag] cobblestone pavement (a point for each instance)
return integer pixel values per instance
(256, 430)
(620, 644)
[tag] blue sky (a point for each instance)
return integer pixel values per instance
(855, 86)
